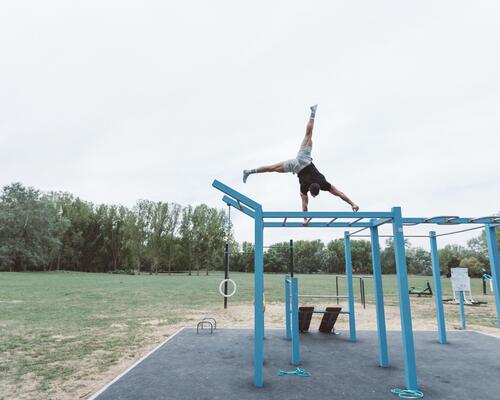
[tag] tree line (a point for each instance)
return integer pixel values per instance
(56, 231)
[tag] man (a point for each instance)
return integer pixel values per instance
(310, 179)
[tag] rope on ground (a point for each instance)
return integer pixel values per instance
(297, 372)
(407, 393)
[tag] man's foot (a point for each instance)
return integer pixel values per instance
(313, 111)
(355, 207)
(246, 173)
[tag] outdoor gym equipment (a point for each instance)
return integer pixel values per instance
(223, 287)
(427, 291)
(353, 220)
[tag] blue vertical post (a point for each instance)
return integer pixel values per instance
(462, 310)
(258, 300)
(438, 292)
(491, 238)
(404, 301)
(295, 322)
(379, 298)
(350, 286)
(287, 308)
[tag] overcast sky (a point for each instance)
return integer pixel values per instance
(115, 101)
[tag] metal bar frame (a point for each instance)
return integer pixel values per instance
(254, 210)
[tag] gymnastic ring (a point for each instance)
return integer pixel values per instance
(234, 289)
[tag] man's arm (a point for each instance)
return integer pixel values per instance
(305, 202)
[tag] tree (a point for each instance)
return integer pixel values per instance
(28, 223)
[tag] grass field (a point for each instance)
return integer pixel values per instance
(61, 331)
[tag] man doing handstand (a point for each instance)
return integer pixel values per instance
(310, 179)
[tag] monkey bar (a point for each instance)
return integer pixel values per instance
(363, 221)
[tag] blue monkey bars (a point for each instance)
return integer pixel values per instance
(281, 219)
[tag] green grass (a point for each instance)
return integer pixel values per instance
(57, 327)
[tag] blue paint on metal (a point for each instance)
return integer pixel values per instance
(288, 331)
(491, 239)
(379, 298)
(350, 286)
(231, 202)
(295, 322)
(259, 301)
(404, 301)
(316, 225)
(326, 214)
(438, 292)
(236, 195)
(463, 324)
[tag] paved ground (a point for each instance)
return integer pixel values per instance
(219, 366)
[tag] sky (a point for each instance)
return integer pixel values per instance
(116, 101)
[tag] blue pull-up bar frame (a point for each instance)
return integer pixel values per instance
(355, 220)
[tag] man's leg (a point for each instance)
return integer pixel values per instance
(309, 128)
(278, 167)
(343, 196)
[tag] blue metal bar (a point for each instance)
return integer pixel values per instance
(259, 300)
(438, 293)
(236, 195)
(288, 331)
(350, 286)
(315, 225)
(404, 301)
(463, 324)
(379, 298)
(449, 221)
(230, 201)
(382, 221)
(295, 322)
(491, 238)
(325, 214)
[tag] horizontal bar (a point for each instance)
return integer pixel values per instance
(230, 201)
(315, 225)
(390, 236)
(326, 214)
(449, 220)
(319, 296)
(381, 222)
(236, 195)
(359, 230)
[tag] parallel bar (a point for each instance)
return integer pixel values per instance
(258, 300)
(438, 293)
(350, 286)
(404, 301)
(295, 323)
(491, 238)
(379, 298)
(236, 195)
(315, 225)
(326, 214)
(231, 202)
